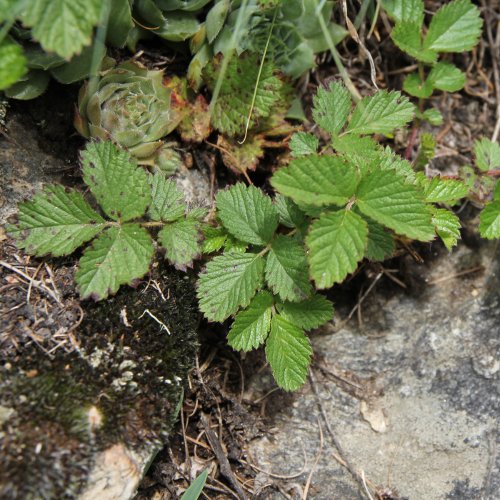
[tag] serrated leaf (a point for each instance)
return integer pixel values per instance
(381, 243)
(286, 270)
(182, 241)
(489, 221)
(487, 154)
(247, 213)
(251, 326)
(433, 116)
(381, 113)
(289, 352)
(213, 238)
(308, 314)
(242, 157)
(332, 107)
(414, 86)
(167, 202)
(62, 26)
(406, 35)
(119, 256)
(56, 221)
(455, 27)
(317, 180)
(12, 63)
(290, 214)
(447, 77)
(228, 283)
(336, 242)
(389, 160)
(119, 185)
(386, 198)
(426, 152)
(363, 147)
(303, 144)
(438, 190)
(405, 10)
(447, 226)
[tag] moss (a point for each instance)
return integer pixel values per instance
(121, 385)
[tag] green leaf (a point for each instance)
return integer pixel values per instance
(438, 190)
(489, 221)
(62, 26)
(289, 352)
(405, 10)
(303, 144)
(77, 69)
(380, 242)
(332, 107)
(433, 116)
(406, 35)
(290, 214)
(386, 198)
(182, 242)
(247, 213)
(12, 63)
(426, 152)
(447, 77)
(56, 221)
(389, 160)
(336, 242)
(120, 23)
(455, 27)
(119, 185)
(214, 238)
(215, 19)
(381, 113)
(286, 270)
(414, 86)
(167, 202)
(229, 282)
(30, 86)
(487, 154)
(308, 314)
(363, 147)
(251, 326)
(196, 487)
(119, 256)
(447, 226)
(317, 180)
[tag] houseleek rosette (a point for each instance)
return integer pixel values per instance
(132, 107)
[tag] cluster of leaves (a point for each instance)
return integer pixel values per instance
(58, 221)
(455, 27)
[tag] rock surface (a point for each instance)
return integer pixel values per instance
(412, 397)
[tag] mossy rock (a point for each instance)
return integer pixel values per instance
(75, 423)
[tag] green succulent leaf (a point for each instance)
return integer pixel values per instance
(317, 180)
(386, 198)
(447, 226)
(336, 243)
(303, 144)
(405, 10)
(229, 282)
(414, 86)
(455, 27)
(12, 63)
(251, 326)
(308, 314)
(447, 77)
(290, 214)
(120, 23)
(182, 241)
(487, 154)
(489, 221)
(332, 107)
(406, 35)
(286, 270)
(56, 221)
(381, 243)
(381, 113)
(167, 202)
(119, 185)
(215, 19)
(438, 190)
(247, 213)
(62, 26)
(289, 352)
(118, 256)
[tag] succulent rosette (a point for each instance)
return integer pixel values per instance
(131, 106)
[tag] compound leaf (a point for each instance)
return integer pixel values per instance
(438, 190)
(487, 154)
(286, 269)
(119, 256)
(317, 180)
(447, 226)
(182, 241)
(56, 221)
(228, 283)
(251, 326)
(336, 242)
(489, 220)
(247, 213)
(381, 113)
(447, 77)
(303, 144)
(290, 215)
(386, 198)
(167, 202)
(380, 242)
(308, 314)
(119, 185)
(289, 352)
(455, 27)
(332, 107)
